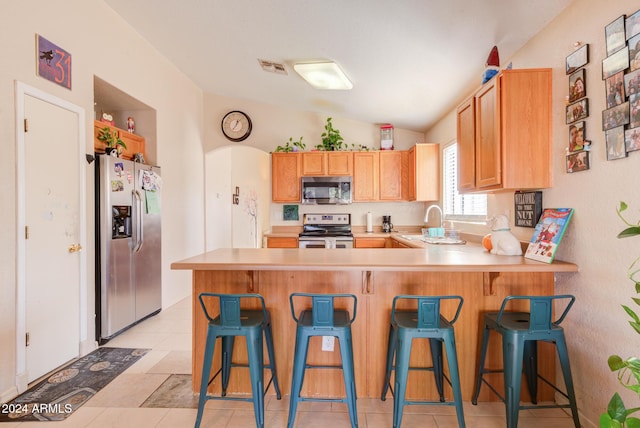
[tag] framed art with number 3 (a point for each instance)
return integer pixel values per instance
(54, 63)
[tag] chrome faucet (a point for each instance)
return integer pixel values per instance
(426, 216)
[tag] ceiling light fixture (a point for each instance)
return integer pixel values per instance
(323, 75)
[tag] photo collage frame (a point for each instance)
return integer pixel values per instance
(577, 109)
(621, 76)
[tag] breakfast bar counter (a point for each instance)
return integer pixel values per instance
(375, 276)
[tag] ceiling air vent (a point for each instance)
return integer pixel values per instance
(272, 67)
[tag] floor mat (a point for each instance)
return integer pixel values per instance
(174, 392)
(58, 396)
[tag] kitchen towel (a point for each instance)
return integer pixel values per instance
(369, 222)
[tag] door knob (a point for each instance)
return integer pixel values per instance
(75, 248)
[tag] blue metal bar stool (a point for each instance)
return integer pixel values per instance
(520, 333)
(425, 323)
(234, 321)
(323, 320)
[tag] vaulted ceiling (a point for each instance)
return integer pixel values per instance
(410, 61)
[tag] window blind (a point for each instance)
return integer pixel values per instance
(457, 206)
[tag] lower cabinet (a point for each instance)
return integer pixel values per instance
(371, 242)
(282, 242)
(398, 244)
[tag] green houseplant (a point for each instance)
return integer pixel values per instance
(331, 138)
(628, 370)
(291, 146)
(112, 140)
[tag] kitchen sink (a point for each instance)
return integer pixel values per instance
(435, 240)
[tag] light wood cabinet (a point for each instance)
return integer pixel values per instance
(340, 163)
(422, 172)
(371, 242)
(135, 143)
(390, 175)
(318, 164)
(366, 171)
(285, 177)
(282, 242)
(504, 133)
(398, 244)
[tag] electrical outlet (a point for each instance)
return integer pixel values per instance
(328, 343)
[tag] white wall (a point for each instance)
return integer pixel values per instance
(597, 326)
(100, 43)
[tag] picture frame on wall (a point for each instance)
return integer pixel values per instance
(578, 59)
(578, 110)
(577, 136)
(614, 88)
(615, 35)
(615, 143)
(615, 63)
(634, 53)
(632, 82)
(616, 116)
(634, 111)
(577, 86)
(632, 139)
(632, 25)
(578, 161)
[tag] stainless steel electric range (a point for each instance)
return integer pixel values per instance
(326, 231)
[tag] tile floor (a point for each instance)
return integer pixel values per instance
(168, 334)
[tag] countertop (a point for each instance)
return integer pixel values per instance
(431, 258)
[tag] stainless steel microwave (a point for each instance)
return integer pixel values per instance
(326, 190)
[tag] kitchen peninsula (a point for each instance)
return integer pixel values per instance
(375, 276)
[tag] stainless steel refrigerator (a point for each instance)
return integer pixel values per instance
(128, 244)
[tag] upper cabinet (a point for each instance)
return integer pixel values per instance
(285, 177)
(327, 163)
(423, 173)
(385, 175)
(504, 133)
(366, 173)
(135, 143)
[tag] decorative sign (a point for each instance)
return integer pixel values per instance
(528, 208)
(54, 63)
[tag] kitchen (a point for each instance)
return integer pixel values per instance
(188, 129)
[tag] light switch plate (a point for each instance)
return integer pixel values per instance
(328, 343)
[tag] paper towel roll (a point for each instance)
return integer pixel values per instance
(369, 222)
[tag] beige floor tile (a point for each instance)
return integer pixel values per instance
(471, 421)
(127, 390)
(175, 342)
(326, 419)
(144, 364)
(133, 339)
(128, 417)
(175, 362)
(79, 419)
(177, 418)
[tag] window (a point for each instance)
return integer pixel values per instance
(457, 206)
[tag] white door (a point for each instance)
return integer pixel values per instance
(52, 236)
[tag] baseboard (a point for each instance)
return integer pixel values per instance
(87, 346)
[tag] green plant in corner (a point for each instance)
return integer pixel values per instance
(291, 146)
(628, 371)
(331, 138)
(111, 139)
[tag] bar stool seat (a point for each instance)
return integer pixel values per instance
(231, 322)
(425, 323)
(323, 320)
(520, 333)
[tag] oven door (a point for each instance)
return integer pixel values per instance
(307, 242)
(343, 243)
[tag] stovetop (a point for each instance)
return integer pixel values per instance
(326, 225)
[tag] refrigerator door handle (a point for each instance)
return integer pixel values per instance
(139, 238)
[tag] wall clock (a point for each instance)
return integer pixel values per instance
(236, 126)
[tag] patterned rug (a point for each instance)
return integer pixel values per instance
(58, 396)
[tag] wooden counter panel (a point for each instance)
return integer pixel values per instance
(370, 330)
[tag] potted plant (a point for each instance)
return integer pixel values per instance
(628, 370)
(291, 146)
(112, 140)
(331, 138)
